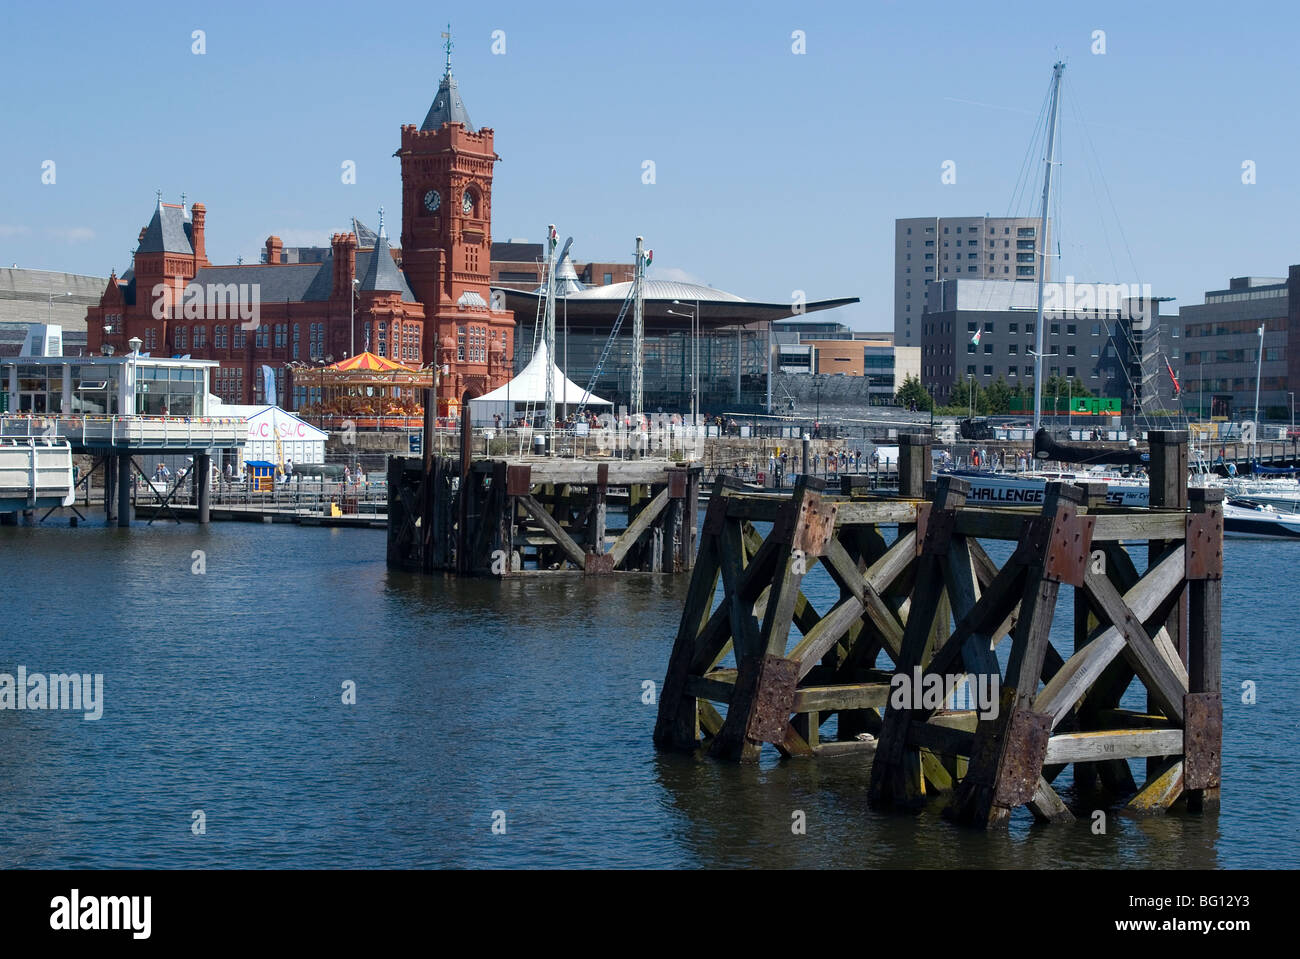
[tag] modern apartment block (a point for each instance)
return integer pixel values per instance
(884, 365)
(970, 247)
(1114, 341)
(1222, 347)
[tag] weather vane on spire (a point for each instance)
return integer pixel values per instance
(448, 45)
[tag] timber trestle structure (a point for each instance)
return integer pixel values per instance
(492, 517)
(766, 666)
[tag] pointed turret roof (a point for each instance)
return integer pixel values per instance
(366, 237)
(447, 105)
(170, 230)
(381, 273)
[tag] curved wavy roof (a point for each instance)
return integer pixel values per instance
(659, 290)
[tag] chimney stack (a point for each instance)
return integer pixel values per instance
(273, 250)
(198, 213)
(345, 262)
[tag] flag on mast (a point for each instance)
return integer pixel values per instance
(975, 337)
(1177, 389)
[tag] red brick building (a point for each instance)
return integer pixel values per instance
(426, 304)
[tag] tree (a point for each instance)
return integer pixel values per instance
(998, 397)
(913, 392)
(968, 395)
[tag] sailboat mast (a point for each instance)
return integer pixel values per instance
(1259, 367)
(1057, 69)
(549, 329)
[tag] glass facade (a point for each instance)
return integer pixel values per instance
(40, 389)
(668, 364)
(168, 392)
(95, 389)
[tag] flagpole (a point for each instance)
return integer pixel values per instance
(1259, 366)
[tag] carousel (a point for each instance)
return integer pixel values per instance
(370, 390)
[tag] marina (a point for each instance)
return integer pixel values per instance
(466, 493)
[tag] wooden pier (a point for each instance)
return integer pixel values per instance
(766, 666)
(502, 517)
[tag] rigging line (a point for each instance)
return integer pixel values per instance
(1037, 143)
(1089, 162)
(1126, 333)
(1109, 198)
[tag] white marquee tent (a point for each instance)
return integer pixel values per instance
(529, 389)
(277, 436)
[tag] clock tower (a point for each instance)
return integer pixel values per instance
(446, 245)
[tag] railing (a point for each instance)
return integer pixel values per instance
(179, 432)
(311, 497)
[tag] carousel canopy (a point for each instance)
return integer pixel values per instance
(369, 362)
(530, 386)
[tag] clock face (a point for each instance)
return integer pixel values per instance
(467, 203)
(432, 200)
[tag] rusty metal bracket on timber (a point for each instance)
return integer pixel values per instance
(1202, 740)
(1023, 750)
(1204, 553)
(519, 479)
(1069, 548)
(773, 700)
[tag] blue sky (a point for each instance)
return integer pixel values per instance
(774, 171)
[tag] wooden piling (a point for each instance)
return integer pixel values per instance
(501, 517)
(934, 605)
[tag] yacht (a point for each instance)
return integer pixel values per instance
(1253, 519)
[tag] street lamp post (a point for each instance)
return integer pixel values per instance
(50, 317)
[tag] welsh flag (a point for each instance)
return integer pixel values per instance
(975, 337)
(649, 257)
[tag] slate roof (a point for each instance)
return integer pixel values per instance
(365, 236)
(447, 107)
(311, 282)
(381, 272)
(294, 283)
(170, 231)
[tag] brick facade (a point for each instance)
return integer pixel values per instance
(427, 303)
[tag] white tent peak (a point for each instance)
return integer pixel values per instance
(530, 385)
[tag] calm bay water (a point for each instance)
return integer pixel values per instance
(223, 694)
